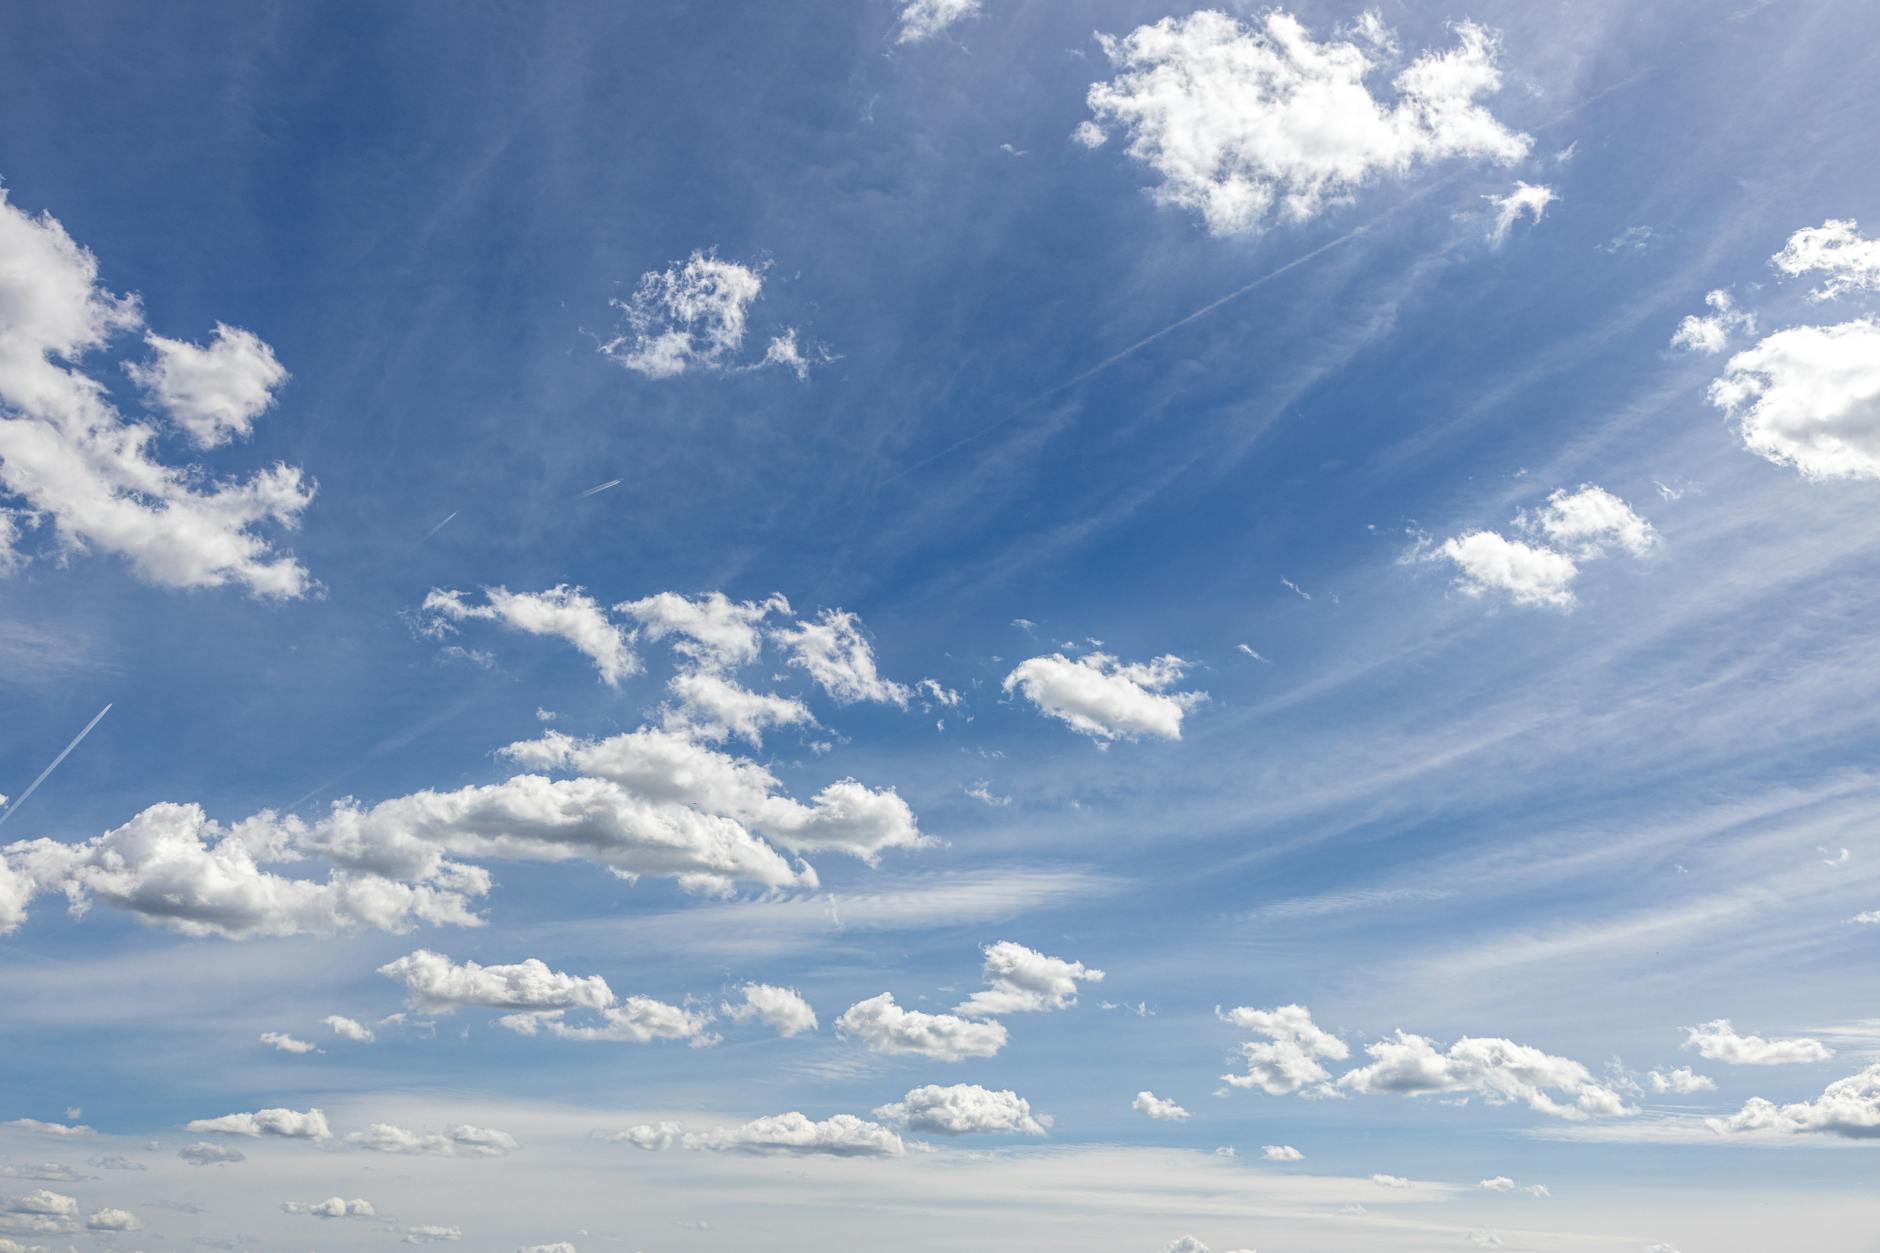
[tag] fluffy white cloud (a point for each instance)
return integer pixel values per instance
(839, 657)
(463, 1140)
(689, 316)
(43, 1201)
(71, 458)
(332, 1207)
(1157, 1107)
(1572, 527)
(1497, 1070)
(713, 708)
(291, 1124)
(1809, 397)
(1711, 333)
(843, 1135)
(562, 612)
(349, 1029)
(1500, 1183)
(648, 1136)
(1588, 521)
(1718, 1041)
(1281, 1153)
(1107, 699)
(923, 19)
(214, 393)
(1525, 198)
(1848, 1107)
(1528, 573)
(436, 984)
(783, 1009)
(286, 1043)
(1683, 1080)
(636, 1020)
(887, 1028)
(1241, 121)
(1390, 1181)
(1023, 980)
(113, 1220)
(1837, 250)
(964, 1109)
(1290, 1056)
(712, 630)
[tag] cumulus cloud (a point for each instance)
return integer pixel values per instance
(1837, 250)
(1157, 1107)
(964, 1109)
(713, 708)
(109, 1219)
(1281, 1153)
(1022, 980)
(1572, 527)
(460, 1141)
(713, 631)
(214, 393)
(562, 612)
(648, 1136)
(690, 316)
(1525, 198)
(1529, 574)
(348, 1029)
(1849, 1108)
(887, 1028)
(290, 1124)
(782, 1009)
(1107, 699)
(1242, 122)
(1712, 332)
(1390, 1181)
(67, 456)
(203, 1153)
(843, 1135)
(921, 20)
(1809, 397)
(1291, 1055)
(1500, 1183)
(1498, 1070)
(835, 653)
(285, 1043)
(636, 1020)
(1682, 1080)
(332, 1207)
(436, 984)
(1718, 1041)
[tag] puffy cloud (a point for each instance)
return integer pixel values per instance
(1289, 1058)
(203, 1153)
(1836, 249)
(843, 1135)
(1525, 198)
(839, 657)
(436, 984)
(113, 1220)
(964, 1109)
(1023, 980)
(43, 1201)
(1849, 1108)
(1157, 1107)
(214, 393)
(1585, 523)
(1240, 122)
(887, 1028)
(923, 19)
(463, 1140)
(1107, 699)
(1498, 1070)
(70, 457)
(712, 630)
(1712, 332)
(1185, 1244)
(286, 1043)
(1281, 1153)
(636, 1020)
(689, 316)
(785, 352)
(783, 1009)
(1718, 1041)
(1809, 397)
(1390, 1181)
(170, 866)
(1572, 527)
(1683, 1080)
(648, 1136)
(712, 708)
(332, 1207)
(1500, 1183)
(290, 1124)
(348, 1029)
(562, 612)
(1529, 574)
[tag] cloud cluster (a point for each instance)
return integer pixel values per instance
(964, 1109)
(332, 1207)
(1712, 332)
(436, 984)
(691, 317)
(782, 1009)
(1849, 1108)
(1291, 1056)
(1242, 122)
(1105, 698)
(1571, 528)
(1498, 1070)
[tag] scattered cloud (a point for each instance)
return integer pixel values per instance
(782, 1009)
(1525, 198)
(332, 1207)
(921, 20)
(843, 1135)
(563, 612)
(1571, 528)
(1837, 250)
(213, 393)
(1849, 1108)
(1498, 1070)
(1160, 1108)
(1712, 333)
(463, 1140)
(1281, 1153)
(1022, 980)
(1809, 397)
(1107, 699)
(1292, 1054)
(839, 658)
(1718, 1041)
(688, 317)
(285, 1043)
(885, 1027)
(347, 1029)
(964, 1109)
(288, 1124)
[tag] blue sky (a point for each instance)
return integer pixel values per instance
(1364, 511)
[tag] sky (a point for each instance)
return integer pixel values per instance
(955, 624)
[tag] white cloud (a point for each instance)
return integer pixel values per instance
(636, 1020)
(652, 1138)
(781, 1008)
(291, 1124)
(1281, 1153)
(68, 455)
(1390, 1181)
(1500, 1183)
(1586, 522)
(1241, 122)
(431, 1233)
(47, 1128)
(332, 1207)
(436, 984)
(113, 1220)
(1023, 980)
(1527, 198)
(463, 1140)
(1836, 249)
(887, 1028)
(1711, 333)
(838, 656)
(843, 1135)
(1572, 527)
(563, 612)
(1683, 1081)
(1290, 1057)
(784, 351)
(713, 630)
(713, 708)
(1107, 699)
(203, 1153)
(1160, 1108)
(689, 316)
(1848, 1107)
(1529, 574)
(1809, 397)
(923, 19)
(1497, 1070)
(348, 1029)
(214, 393)
(286, 1043)
(964, 1109)
(1718, 1041)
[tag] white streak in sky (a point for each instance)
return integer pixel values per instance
(34, 785)
(440, 526)
(595, 491)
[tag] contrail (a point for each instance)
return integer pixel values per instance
(595, 491)
(34, 785)
(440, 526)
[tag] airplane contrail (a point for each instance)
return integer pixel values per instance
(440, 526)
(595, 491)
(34, 785)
